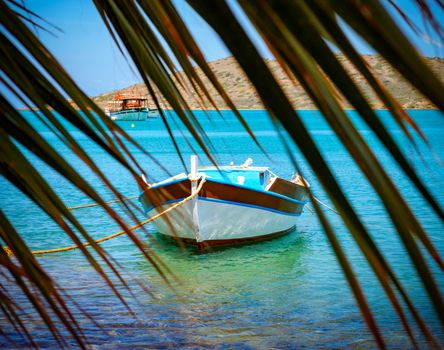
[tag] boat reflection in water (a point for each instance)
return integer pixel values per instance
(235, 204)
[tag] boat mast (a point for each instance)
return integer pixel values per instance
(193, 177)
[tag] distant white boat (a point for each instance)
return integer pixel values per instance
(130, 108)
(237, 204)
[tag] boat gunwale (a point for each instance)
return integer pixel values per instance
(273, 194)
(223, 201)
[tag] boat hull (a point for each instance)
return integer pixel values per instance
(222, 214)
(134, 115)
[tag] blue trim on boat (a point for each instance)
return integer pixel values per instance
(227, 202)
(235, 185)
(248, 205)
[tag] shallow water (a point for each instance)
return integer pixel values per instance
(284, 293)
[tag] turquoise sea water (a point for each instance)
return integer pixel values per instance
(284, 293)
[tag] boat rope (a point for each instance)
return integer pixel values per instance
(325, 205)
(97, 204)
(114, 235)
(309, 209)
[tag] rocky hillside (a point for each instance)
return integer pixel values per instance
(244, 96)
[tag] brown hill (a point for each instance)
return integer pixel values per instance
(244, 96)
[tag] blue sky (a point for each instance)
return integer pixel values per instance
(88, 53)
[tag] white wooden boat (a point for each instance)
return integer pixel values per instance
(236, 204)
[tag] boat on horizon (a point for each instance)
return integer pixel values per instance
(235, 204)
(130, 108)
